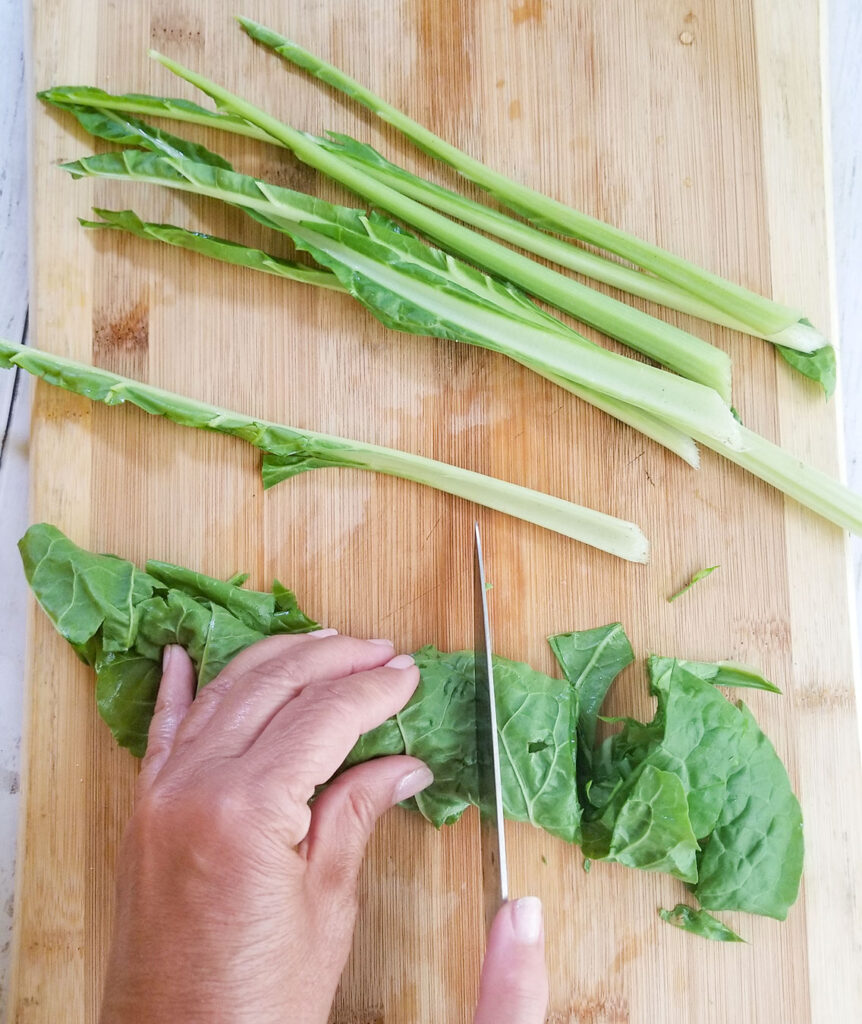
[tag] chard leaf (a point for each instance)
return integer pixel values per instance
(699, 922)
(297, 451)
(652, 830)
(413, 287)
(536, 729)
(753, 860)
(819, 365)
(720, 673)
(83, 593)
(119, 619)
(700, 770)
(125, 130)
(276, 612)
(591, 659)
(803, 347)
(81, 97)
(254, 259)
(217, 248)
(127, 684)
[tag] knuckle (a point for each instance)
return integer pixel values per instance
(362, 809)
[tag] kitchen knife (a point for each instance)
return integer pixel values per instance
(495, 878)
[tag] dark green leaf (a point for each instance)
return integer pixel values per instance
(753, 860)
(119, 619)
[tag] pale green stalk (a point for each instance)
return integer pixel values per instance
(376, 262)
(690, 356)
(254, 259)
(289, 451)
(764, 315)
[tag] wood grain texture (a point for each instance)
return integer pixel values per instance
(699, 126)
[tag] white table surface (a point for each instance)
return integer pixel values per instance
(845, 44)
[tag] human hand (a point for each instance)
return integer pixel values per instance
(514, 986)
(236, 901)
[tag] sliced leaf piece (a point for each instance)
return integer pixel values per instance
(753, 860)
(696, 578)
(536, 720)
(719, 673)
(699, 922)
(819, 365)
(652, 830)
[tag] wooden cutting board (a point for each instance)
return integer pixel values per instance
(697, 124)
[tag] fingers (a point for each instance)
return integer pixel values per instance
(344, 815)
(238, 704)
(514, 985)
(310, 736)
(176, 693)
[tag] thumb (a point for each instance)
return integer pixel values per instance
(514, 985)
(345, 813)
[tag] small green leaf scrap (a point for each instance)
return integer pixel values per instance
(699, 922)
(698, 576)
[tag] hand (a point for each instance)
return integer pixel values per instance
(514, 986)
(236, 901)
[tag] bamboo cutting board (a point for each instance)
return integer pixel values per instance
(696, 124)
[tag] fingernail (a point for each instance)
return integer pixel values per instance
(413, 783)
(381, 641)
(323, 632)
(527, 920)
(400, 661)
(167, 654)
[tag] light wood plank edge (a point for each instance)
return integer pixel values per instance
(825, 664)
(44, 987)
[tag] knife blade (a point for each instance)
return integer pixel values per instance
(492, 837)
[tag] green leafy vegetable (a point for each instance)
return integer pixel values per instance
(818, 365)
(696, 578)
(720, 673)
(412, 287)
(231, 252)
(753, 859)
(536, 722)
(119, 619)
(682, 352)
(288, 452)
(698, 792)
(217, 248)
(778, 323)
(812, 488)
(739, 850)
(699, 922)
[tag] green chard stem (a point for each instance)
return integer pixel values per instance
(682, 352)
(94, 107)
(764, 315)
(434, 293)
(289, 451)
(107, 116)
(254, 259)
